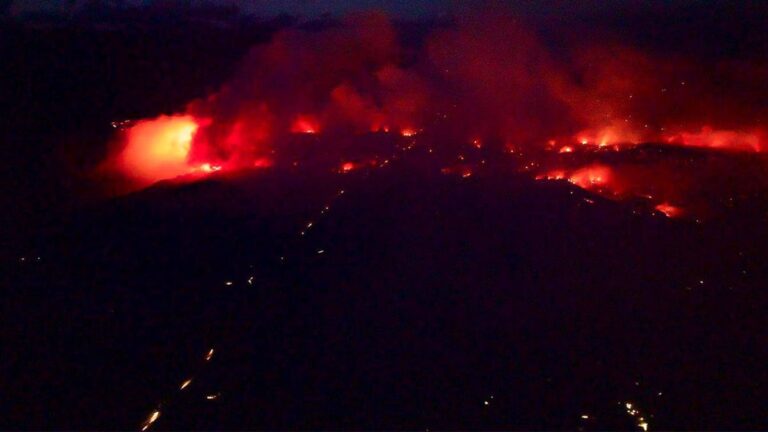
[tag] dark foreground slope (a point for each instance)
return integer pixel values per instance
(417, 300)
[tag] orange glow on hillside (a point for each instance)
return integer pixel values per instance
(609, 136)
(591, 176)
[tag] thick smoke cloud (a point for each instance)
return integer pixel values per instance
(491, 75)
(343, 78)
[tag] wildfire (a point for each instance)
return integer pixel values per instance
(591, 176)
(552, 175)
(347, 167)
(614, 183)
(611, 136)
(158, 149)
(208, 168)
(720, 139)
(305, 124)
(602, 100)
(669, 210)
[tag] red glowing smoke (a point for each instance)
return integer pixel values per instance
(480, 80)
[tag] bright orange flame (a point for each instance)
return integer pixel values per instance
(669, 210)
(208, 168)
(408, 132)
(566, 149)
(610, 135)
(347, 167)
(158, 149)
(378, 127)
(591, 176)
(305, 124)
(552, 175)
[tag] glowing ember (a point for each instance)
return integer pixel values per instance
(152, 418)
(552, 175)
(669, 210)
(462, 170)
(408, 132)
(566, 149)
(305, 124)
(635, 413)
(347, 167)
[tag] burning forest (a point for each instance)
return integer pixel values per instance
(607, 117)
(497, 216)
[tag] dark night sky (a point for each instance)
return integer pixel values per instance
(269, 7)
(403, 8)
